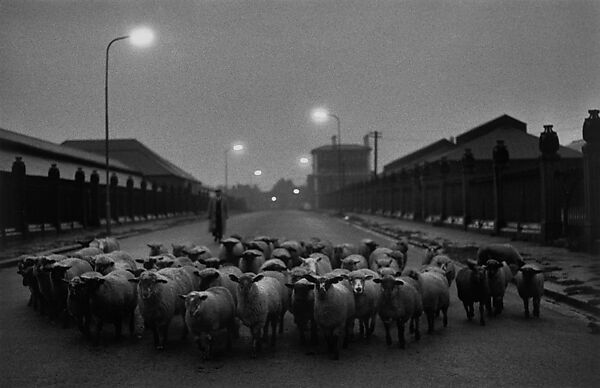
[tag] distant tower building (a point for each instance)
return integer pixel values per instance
(326, 177)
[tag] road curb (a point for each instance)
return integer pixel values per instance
(557, 296)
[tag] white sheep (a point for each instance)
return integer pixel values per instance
(157, 249)
(530, 284)
(262, 246)
(274, 265)
(499, 275)
(283, 278)
(86, 253)
(283, 255)
(317, 263)
(258, 306)
(251, 261)
(366, 300)
(211, 277)
(385, 261)
(302, 307)
(500, 253)
(384, 253)
(430, 252)
(207, 313)
(106, 245)
(334, 311)
(436, 296)
(112, 299)
(446, 264)
(399, 302)
(472, 286)
(158, 298)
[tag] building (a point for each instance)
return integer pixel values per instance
(133, 153)
(328, 175)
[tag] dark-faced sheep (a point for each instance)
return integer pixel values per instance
(116, 260)
(231, 251)
(499, 275)
(61, 273)
(473, 286)
(251, 261)
(530, 284)
(302, 308)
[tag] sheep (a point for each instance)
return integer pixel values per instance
(261, 246)
(530, 284)
(148, 263)
(251, 261)
(436, 296)
(318, 245)
(383, 253)
(158, 298)
(385, 261)
(283, 255)
(317, 263)
(179, 250)
(500, 253)
(430, 252)
(112, 298)
(366, 247)
(302, 308)
(366, 299)
(86, 253)
(447, 265)
(295, 250)
(25, 268)
(285, 294)
(340, 252)
(298, 273)
(60, 274)
(399, 302)
(258, 306)
(211, 277)
(354, 262)
(211, 262)
(112, 261)
(198, 252)
(157, 249)
(472, 286)
(41, 273)
(499, 275)
(206, 313)
(334, 311)
(166, 261)
(78, 297)
(273, 265)
(106, 245)
(402, 246)
(231, 251)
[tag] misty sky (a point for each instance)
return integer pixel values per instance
(226, 71)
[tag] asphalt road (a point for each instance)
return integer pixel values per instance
(556, 350)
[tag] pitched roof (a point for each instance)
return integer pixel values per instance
(60, 151)
(504, 121)
(520, 145)
(429, 152)
(136, 154)
(576, 145)
(343, 147)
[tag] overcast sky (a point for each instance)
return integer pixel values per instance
(226, 71)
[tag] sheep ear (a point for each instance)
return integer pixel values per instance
(289, 285)
(310, 278)
(471, 263)
(140, 260)
(184, 297)
(369, 277)
(319, 258)
(134, 280)
(399, 282)
(377, 280)
(258, 278)
(234, 278)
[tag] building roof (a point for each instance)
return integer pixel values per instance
(134, 153)
(504, 121)
(343, 147)
(576, 145)
(520, 145)
(431, 151)
(60, 151)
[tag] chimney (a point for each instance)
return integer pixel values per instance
(366, 140)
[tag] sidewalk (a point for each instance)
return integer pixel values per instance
(571, 277)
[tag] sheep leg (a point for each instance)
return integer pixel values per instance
(415, 320)
(371, 326)
(274, 322)
(348, 332)
(388, 337)
(281, 322)
(184, 332)
(313, 333)
(430, 320)
(467, 310)
(301, 328)
(536, 307)
(445, 316)
(401, 339)
(526, 307)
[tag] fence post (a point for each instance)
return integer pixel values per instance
(81, 214)
(500, 157)
(20, 195)
(54, 195)
(444, 170)
(468, 164)
(130, 211)
(143, 187)
(114, 182)
(591, 174)
(424, 178)
(550, 195)
(94, 198)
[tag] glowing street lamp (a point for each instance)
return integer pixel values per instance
(296, 191)
(304, 160)
(236, 148)
(257, 172)
(140, 37)
(273, 199)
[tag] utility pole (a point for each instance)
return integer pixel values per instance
(375, 135)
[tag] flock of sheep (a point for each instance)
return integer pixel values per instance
(257, 281)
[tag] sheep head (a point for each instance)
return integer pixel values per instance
(388, 284)
(148, 283)
(322, 283)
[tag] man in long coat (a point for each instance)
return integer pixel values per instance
(217, 215)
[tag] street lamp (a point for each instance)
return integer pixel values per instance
(322, 115)
(138, 37)
(257, 172)
(236, 147)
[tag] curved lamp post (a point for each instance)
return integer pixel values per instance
(236, 147)
(139, 37)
